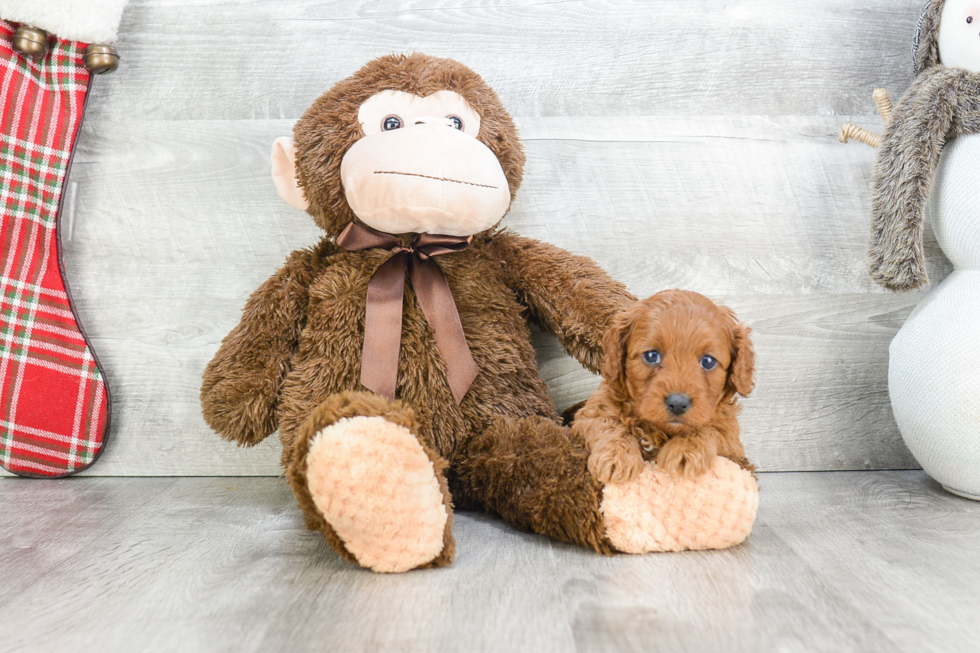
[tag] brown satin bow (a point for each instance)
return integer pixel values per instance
(383, 316)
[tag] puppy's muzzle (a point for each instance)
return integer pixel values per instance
(677, 403)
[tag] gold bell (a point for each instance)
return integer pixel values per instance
(101, 58)
(31, 41)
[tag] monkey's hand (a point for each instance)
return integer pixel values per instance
(241, 409)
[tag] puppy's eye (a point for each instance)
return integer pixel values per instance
(708, 363)
(652, 357)
(457, 122)
(969, 19)
(391, 122)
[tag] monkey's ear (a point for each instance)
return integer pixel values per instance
(284, 173)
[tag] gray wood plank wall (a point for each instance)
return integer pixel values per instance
(681, 144)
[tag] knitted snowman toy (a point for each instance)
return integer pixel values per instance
(930, 154)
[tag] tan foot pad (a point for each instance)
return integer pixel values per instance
(657, 512)
(373, 483)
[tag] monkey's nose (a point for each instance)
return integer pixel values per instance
(677, 403)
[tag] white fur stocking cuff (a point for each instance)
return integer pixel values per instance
(88, 21)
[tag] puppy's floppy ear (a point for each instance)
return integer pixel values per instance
(614, 343)
(741, 372)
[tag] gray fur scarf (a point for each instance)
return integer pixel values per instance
(940, 104)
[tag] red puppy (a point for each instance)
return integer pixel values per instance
(674, 366)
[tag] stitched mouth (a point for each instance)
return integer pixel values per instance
(415, 174)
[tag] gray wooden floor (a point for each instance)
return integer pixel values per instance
(839, 561)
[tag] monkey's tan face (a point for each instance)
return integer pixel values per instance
(959, 35)
(419, 167)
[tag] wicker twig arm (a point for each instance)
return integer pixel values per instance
(850, 130)
(884, 104)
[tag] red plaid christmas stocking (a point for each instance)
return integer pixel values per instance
(54, 403)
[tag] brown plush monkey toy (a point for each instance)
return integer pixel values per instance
(395, 357)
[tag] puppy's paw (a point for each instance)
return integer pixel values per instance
(686, 457)
(615, 461)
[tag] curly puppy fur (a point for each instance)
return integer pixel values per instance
(296, 354)
(942, 103)
(627, 416)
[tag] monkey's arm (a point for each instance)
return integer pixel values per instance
(240, 391)
(903, 175)
(568, 295)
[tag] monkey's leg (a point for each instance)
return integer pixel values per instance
(656, 511)
(375, 492)
(534, 474)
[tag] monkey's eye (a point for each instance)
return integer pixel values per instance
(391, 122)
(457, 122)
(652, 357)
(708, 363)
(969, 19)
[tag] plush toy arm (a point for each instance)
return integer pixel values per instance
(242, 382)
(902, 179)
(568, 295)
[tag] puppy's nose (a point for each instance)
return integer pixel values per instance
(677, 403)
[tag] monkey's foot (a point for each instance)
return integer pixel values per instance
(658, 512)
(378, 490)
